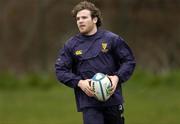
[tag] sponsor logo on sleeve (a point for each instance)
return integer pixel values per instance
(78, 52)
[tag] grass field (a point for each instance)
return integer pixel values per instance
(143, 105)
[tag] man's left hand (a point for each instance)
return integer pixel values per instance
(114, 80)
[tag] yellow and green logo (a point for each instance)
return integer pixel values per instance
(78, 52)
(104, 47)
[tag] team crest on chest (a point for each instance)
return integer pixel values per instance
(104, 47)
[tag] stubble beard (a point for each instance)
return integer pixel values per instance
(86, 31)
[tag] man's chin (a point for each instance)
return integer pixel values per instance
(83, 32)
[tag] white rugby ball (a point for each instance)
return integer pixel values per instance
(101, 84)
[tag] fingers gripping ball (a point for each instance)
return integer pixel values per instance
(101, 85)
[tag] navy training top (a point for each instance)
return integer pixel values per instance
(83, 56)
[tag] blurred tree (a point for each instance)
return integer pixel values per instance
(32, 31)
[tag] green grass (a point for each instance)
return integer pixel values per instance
(33, 98)
(147, 105)
(143, 105)
(33, 106)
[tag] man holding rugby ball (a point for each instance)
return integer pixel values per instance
(94, 50)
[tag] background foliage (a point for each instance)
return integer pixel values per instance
(33, 31)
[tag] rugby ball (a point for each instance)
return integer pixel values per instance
(101, 84)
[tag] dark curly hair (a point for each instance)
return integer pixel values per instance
(95, 12)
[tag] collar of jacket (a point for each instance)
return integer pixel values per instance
(93, 37)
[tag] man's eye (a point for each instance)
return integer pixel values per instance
(84, 17)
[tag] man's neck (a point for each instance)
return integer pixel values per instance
(92, 32)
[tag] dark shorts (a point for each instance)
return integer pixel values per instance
(104, 115)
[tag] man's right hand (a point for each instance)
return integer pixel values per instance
(84, 85)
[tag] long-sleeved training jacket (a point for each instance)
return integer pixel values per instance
(83, 56)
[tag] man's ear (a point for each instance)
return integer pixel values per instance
(95, 19)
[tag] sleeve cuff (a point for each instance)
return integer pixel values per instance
(75, 82)
(120, 77)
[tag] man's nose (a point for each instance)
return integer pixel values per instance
(80, 20)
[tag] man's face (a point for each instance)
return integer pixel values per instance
(85, 23)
